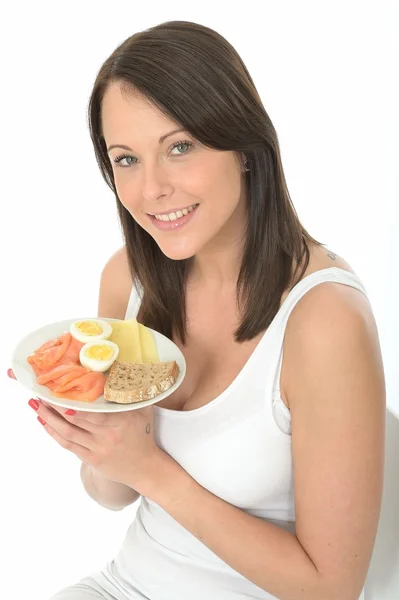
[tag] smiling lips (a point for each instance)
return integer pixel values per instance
(175, 219)
(174, 215)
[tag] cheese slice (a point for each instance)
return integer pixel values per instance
(148, 348)
(125, 334)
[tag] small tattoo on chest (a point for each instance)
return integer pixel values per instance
(331, 255)
(148, 428)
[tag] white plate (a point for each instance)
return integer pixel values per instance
(24, 373)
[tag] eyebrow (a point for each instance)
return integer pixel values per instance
(161, 139)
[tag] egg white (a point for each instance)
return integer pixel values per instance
(95, 364)
(84, 338)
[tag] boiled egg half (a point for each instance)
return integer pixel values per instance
(90, 330)
(98, 356)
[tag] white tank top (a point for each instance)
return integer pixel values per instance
(238, 446)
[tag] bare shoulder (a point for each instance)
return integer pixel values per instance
(329, 311)
(115, 286)
(118, 264)
(328, 307)
(323, 258)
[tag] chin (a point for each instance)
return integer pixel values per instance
(178, 251)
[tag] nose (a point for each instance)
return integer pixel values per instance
(155, 182)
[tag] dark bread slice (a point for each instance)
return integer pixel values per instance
(136, 382)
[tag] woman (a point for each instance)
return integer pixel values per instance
(261, 476)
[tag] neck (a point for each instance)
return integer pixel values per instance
(217, 265)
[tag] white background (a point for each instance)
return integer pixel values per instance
(325, 72)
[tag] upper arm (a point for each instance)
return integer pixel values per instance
(115, 286)
(336, 393)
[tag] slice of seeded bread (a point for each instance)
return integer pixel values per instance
(135, 382)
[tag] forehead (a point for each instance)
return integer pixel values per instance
(125, 111)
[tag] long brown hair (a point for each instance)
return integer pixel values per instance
(196, 78)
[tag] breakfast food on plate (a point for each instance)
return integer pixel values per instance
(125, 334)
(147, 343)
(135, 341)
(52, 352)
(72, 365)
(62, 350)
(99, 356)
(128, 382)
(90, 330)
(85, 388)
(56, 365)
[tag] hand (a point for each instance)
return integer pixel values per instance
(120, 446)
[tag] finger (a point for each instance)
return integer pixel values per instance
(49, 406)
(11, 374)
(80, 451)
(92, 419)
(70, 432)
(78, 418)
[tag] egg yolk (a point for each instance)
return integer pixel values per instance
(89, 328)
(99, 352)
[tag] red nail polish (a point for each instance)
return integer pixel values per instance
(10, 373)
(34, 404)
(70, 412)
(41, 420)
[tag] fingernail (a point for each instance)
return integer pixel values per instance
(70, 412)
(34, 404)
(10, 373)
(41, 420)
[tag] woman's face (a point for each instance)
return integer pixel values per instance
(187, 197)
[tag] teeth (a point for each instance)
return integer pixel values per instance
(175, 215)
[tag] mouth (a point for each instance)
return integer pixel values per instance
(174, 219)
(173, 215)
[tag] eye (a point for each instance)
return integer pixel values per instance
(121, 157)
(127, 157)
(182, 144)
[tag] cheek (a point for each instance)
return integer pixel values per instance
(196, 176)
(222, 190)
(127, 193)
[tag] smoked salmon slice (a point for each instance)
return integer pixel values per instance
(71, 356)
(56, 365)
(51, 352)
(82, 382)
(59, 372)
(85, 388)
(75, 372)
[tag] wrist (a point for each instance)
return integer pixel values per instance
(169, 482)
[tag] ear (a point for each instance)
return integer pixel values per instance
(245, 167)
(242, 158)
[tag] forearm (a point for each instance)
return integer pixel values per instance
(267, 555)
(107, 493)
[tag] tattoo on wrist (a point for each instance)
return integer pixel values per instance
(148, 428)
